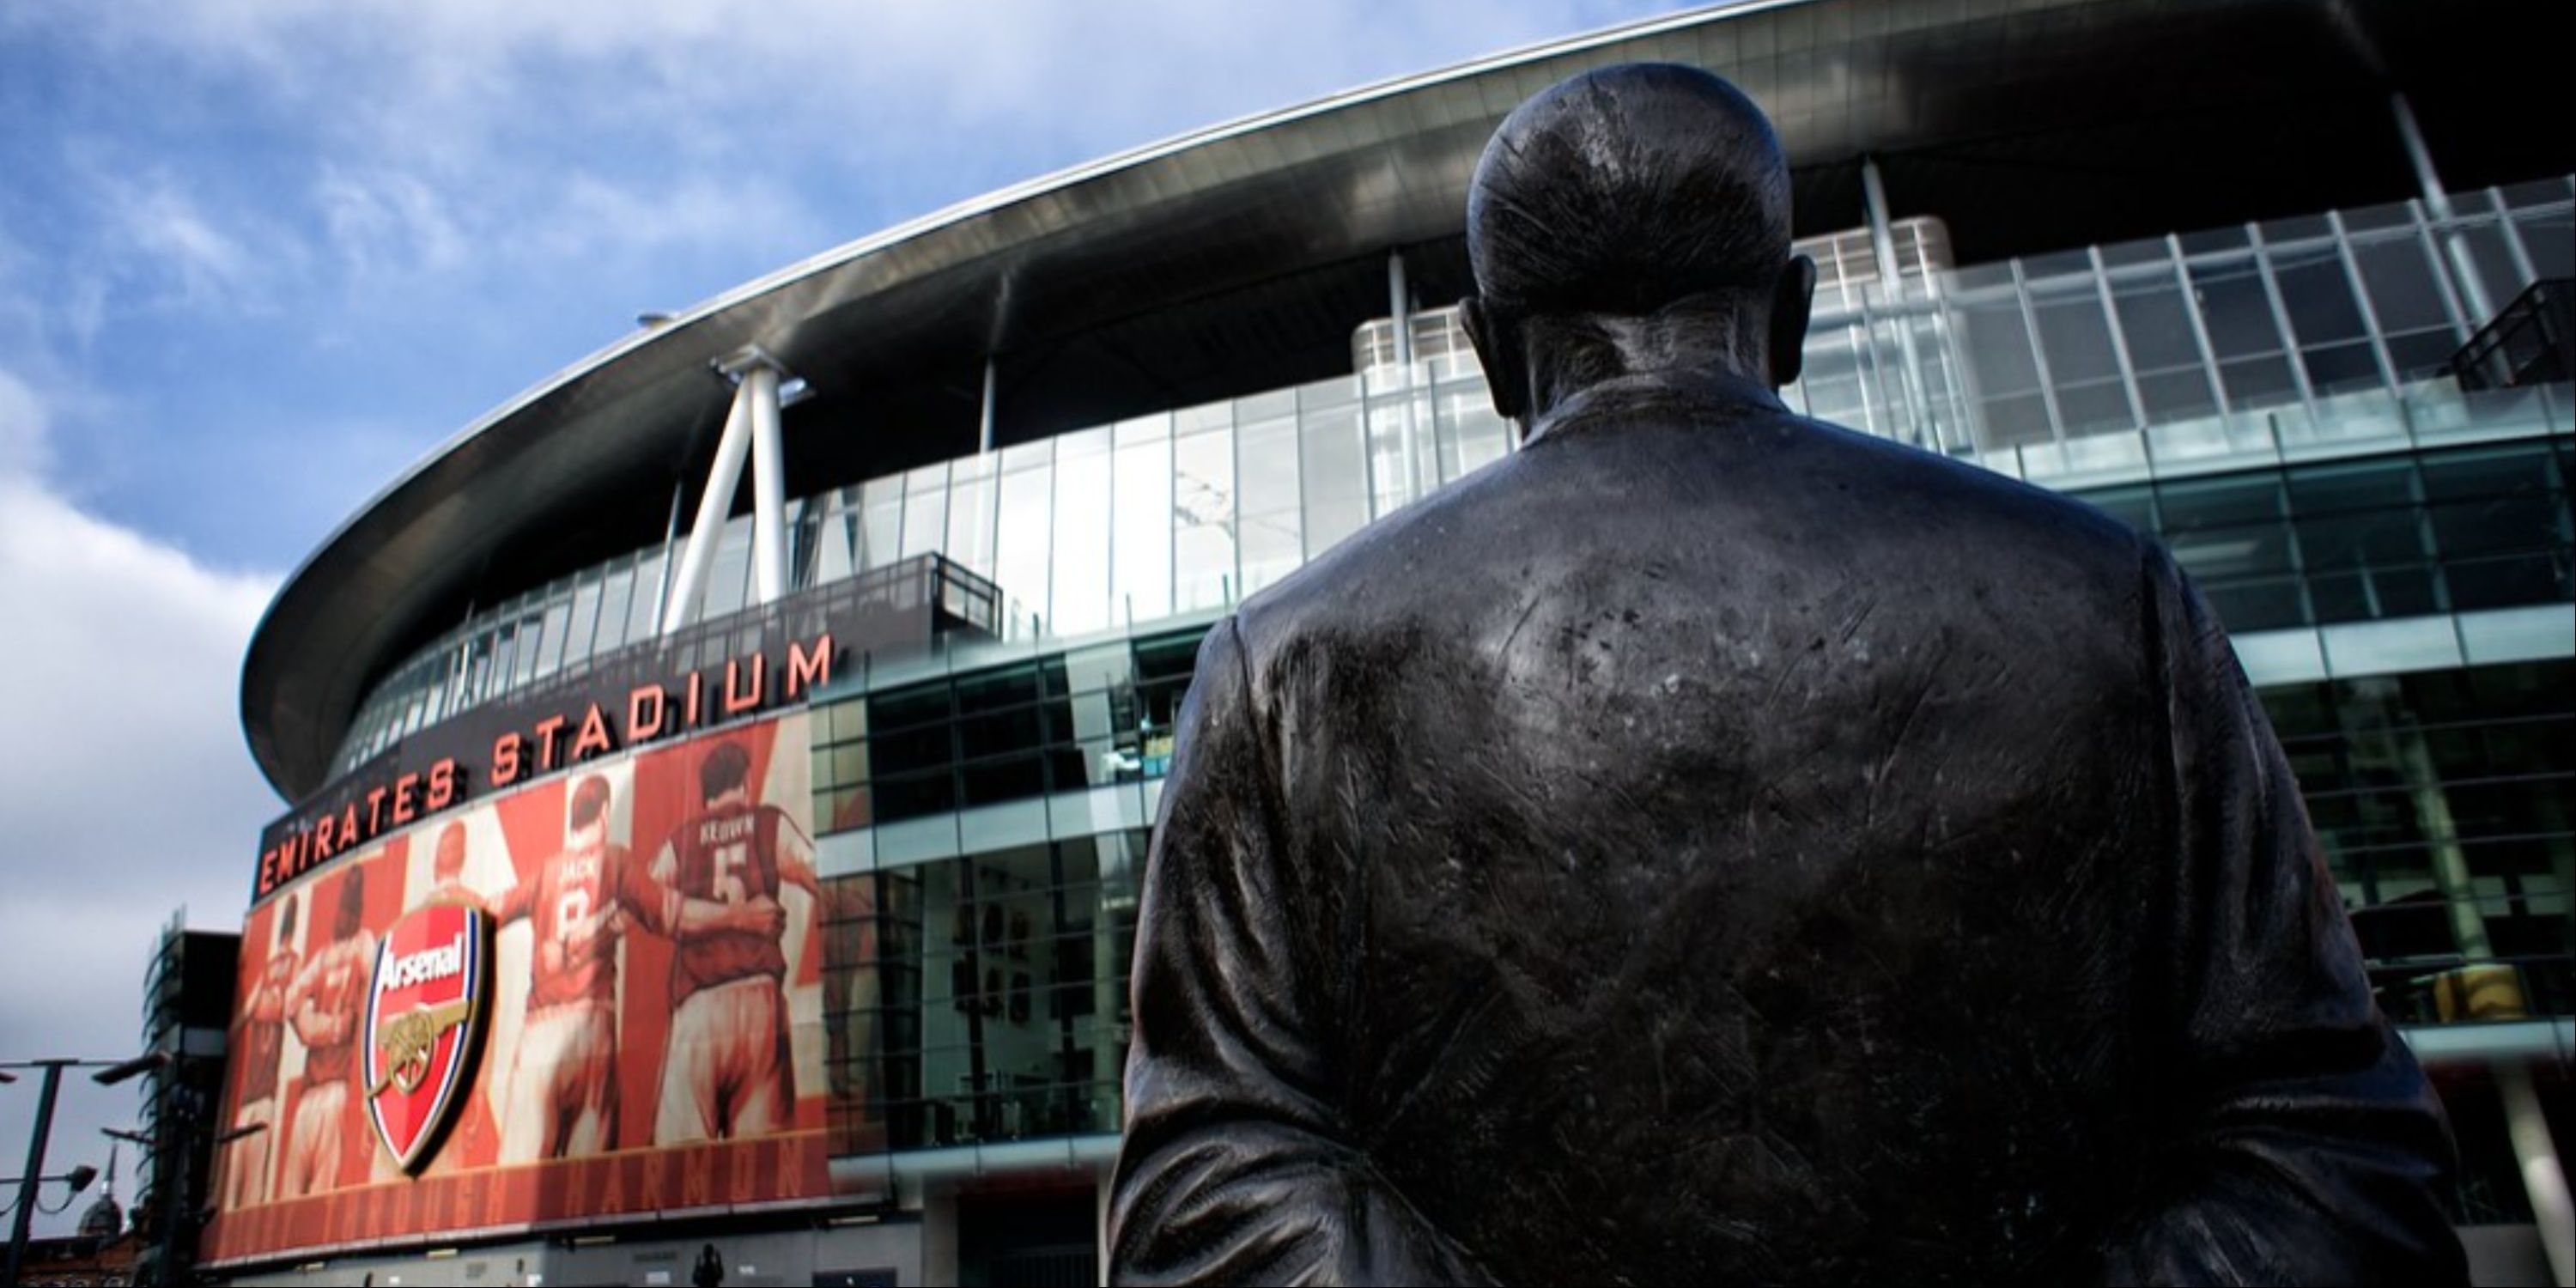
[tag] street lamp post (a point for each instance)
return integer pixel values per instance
(111, 1073)
(26, 1203)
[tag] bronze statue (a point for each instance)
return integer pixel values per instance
(1714, 846)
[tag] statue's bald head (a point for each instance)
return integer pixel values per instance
(1627, 190)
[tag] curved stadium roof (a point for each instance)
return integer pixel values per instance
(1239, 258)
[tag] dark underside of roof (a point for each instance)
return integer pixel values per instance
(1244, 263)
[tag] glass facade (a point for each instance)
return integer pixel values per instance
(981, 999)
(2304, 339)
(1068, 722)
(978, 992)
(2442, 801)
(2457, 530)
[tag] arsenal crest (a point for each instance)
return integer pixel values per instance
(425, 1020)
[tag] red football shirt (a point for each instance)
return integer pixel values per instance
(335, 983)
(263, 1039)
(573, 904)
(727, 855)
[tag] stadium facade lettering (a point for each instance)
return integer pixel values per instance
(507, 744)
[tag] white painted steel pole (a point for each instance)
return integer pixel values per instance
(984, 418)
(768, 486)
(1400, 308)
(699, 554)
(2437, 203)
(2544, 1178)
(1891, 276)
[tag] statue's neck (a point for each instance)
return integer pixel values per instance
(1711, 389)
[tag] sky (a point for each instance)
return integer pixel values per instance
(258, 256)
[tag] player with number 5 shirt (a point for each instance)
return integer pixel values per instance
(727, 1073)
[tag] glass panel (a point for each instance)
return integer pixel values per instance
(1141, 538)
(1996, 344)
(2094, 408)
(971, 498)
(1080, 590)
(1335, 473)
(1203, 519)
(2318, 295)
(804, 541)
(2074, 335)
(836, 536)
(1482, 435)
(728, 578)
(2363, 541)
(558, 620)
(925, 511)
(645, 606)
(2159, 332)
(583, 625)
(2550, 239)
(1273, 526)
(1027, 525)
(2236, 308)
(523, 659)
(2230, 535)
(2176, 395)
(2501, 521)
(2341, 367)
(614, 590)
(2403, 292)
(881, 530)
(2258, 382)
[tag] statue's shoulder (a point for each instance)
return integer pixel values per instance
(1871, 490)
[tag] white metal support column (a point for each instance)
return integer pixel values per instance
(751, 429)
(984, 417)
(1891, 274)
(1399, 298)
(2437, 201)
(768, 485)
(2544, 1177)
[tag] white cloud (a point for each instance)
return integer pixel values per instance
(166, 226)
(384, 222)
(124, 788)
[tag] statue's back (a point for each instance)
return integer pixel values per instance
(1743, 809)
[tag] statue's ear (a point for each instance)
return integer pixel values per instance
(1793, 296)
(1506, 377)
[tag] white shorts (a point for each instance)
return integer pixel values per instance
(563, 1085)
(246, 1159)
(724, 1074)
(313, 1145)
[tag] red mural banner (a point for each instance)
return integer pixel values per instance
(635, 948)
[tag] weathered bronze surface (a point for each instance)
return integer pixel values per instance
(1713, 846)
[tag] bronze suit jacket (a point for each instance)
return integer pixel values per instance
(1710, 845)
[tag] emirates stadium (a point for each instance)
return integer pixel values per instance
(720, 775)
